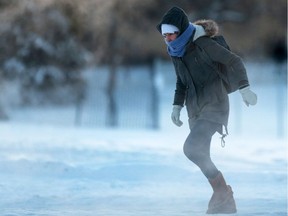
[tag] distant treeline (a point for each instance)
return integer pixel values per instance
(46, 43)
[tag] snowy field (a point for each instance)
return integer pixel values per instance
(62, 170)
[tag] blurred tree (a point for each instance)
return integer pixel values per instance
(47, 43)
(49, 59)
(122, 30)
(278, 50)
(136, 38)
(6, 3)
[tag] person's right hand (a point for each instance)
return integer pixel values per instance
(175, 116)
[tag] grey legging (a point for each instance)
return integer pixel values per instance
(197, 146)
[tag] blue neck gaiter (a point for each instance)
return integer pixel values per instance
(177, 47)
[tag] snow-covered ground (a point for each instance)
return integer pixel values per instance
(63, 170)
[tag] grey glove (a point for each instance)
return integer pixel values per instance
(175, 116)
(248, 96)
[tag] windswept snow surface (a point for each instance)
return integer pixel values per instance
(79, 172)
(60, 170)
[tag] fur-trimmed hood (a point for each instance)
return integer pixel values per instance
(205, 28)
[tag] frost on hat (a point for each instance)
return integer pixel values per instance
(167, 28)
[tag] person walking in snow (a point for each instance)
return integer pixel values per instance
(201, 89)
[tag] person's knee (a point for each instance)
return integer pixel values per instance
(191, 154)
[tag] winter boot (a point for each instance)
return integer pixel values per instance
(222, 200)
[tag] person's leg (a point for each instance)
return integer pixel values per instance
(197, 149)
(197, 146)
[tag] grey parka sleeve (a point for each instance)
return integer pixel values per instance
(219, 54)
(180, 91)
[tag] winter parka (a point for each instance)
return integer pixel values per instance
(199, 86)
